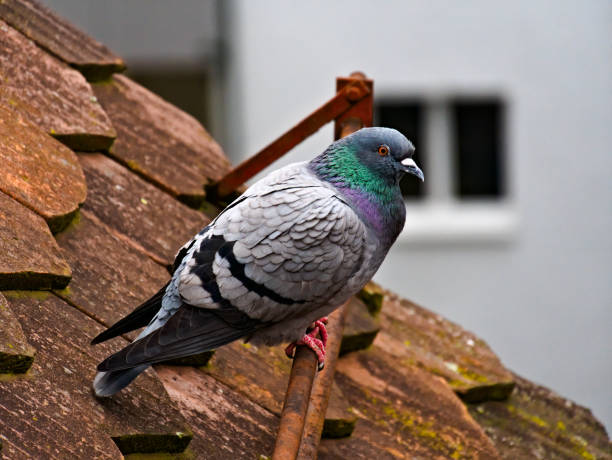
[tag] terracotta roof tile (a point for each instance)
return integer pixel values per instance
(39, 172)
(158, 141)
(260, 373)
(403, 409)
(145, 214)
(54, 406)
(226, 425)
(30, 257)
(50, 94)
(535, 422)
(416, 336)
(360, 327)
(61, 38)
(16, 354)
(109, 276)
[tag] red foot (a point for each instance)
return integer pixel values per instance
(311, 341)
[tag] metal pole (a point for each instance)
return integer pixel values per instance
(298, 431)
(346, 98)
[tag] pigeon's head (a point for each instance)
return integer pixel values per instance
(384, 151)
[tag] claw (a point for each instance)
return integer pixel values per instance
(311, 341)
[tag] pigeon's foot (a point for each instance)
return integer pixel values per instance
(311, 341)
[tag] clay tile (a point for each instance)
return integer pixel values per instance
(30, 257)
(137, 209)
(50, 94)
(16, 354)
(38, 171)
(61, 38)
(160, 142)
(54, 414)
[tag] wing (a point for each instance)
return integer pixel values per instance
(140, 317)
(284, 249)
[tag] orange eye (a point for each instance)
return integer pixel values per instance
(383, 150)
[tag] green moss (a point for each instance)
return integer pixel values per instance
(373, 296)
(338, 428)
(561, 426)
(580, 447)
(26, 294)
(31, 280)
(195, 201)
(471, 375)
(84, 142)
(100, 73)
(356, 342)
(15, 363)
(59, 223)
(494, 392)
(186, 455)
(152, 443)
(424, 431)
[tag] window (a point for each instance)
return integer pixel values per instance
(478, 142)
(465, 135)
(460, 144)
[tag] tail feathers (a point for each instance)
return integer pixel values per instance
(135, 320)
(189, 331)
(109, 383)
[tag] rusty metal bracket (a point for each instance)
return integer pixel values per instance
(302, 417)
(350, 96)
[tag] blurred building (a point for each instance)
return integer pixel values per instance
(510, 108)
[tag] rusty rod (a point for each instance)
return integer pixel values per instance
(321, 389)
(345, 99)
(296, 403)
(302, 420)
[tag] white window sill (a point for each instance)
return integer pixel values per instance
(458, 222)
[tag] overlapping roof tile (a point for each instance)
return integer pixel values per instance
(158, 141)
(30, 257)
(109, 276)
(137, 209)
(16, 353)
(53, 407)
(419, 337)
(50, 94)
(61, 38)
(38, 171)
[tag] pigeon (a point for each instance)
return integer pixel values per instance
(276, 261)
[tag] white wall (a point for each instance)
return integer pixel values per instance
(541, 295)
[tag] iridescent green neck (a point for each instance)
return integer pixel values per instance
(342, 168)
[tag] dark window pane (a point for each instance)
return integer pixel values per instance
(478, 140)
(407, 118)
(184, 88)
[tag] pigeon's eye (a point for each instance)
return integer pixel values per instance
(383, 150)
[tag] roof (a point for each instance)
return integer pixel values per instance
(102, 181)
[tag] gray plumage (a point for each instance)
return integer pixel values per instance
(288, 251)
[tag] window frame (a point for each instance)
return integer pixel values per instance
(441, 216)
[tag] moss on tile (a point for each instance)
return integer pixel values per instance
(100, 73)
(15, 363)
(84, 142)
(143, 443)
(493, 392)
(16, 354)
(59, 223)
(32, 280)
(373, 296)
(338, 428)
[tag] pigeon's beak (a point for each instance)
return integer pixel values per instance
(411, 167)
